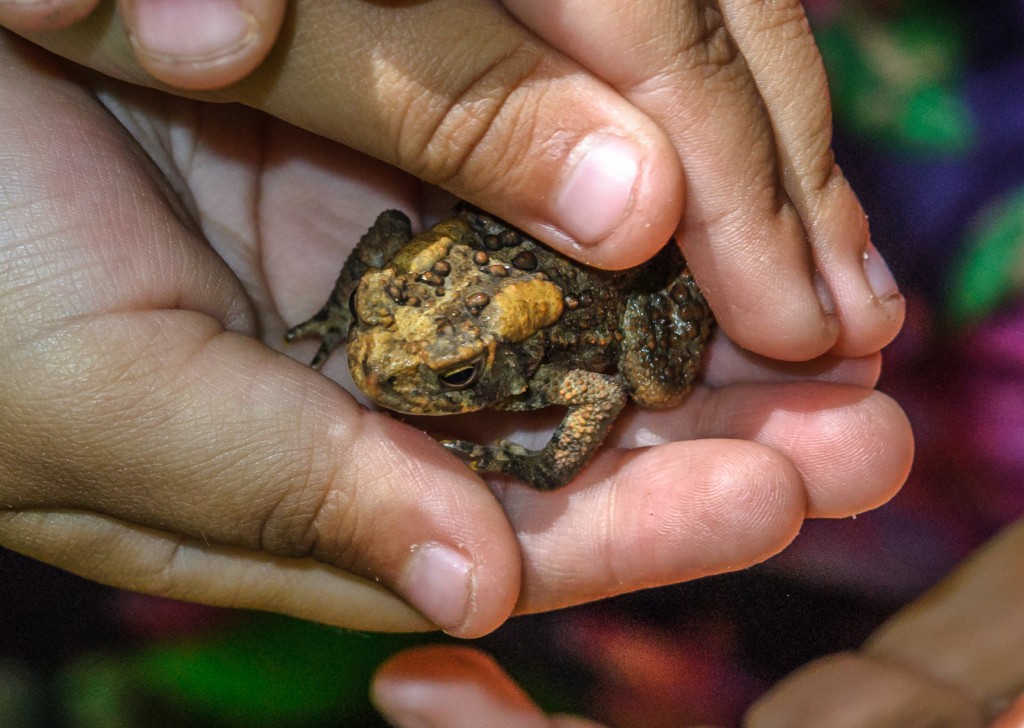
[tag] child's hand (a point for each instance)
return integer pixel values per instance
(151, 437)
(601, 128)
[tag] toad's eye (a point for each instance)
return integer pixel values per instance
(462, 375)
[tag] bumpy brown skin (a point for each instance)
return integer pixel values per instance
(473, 313)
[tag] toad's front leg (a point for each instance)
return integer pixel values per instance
(594, 401)
(388, 235)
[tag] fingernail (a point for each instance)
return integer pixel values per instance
(828, 304)
(190, 30)
(439, 582)
(598, 190)
(880, 278)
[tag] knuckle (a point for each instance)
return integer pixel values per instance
(705, 42)
(786, 17)
(289, 526)
(442, 132)
(318, 514)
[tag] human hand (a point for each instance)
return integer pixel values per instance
(454, 686)
(153, 439)
(953, 657)
(598, 130)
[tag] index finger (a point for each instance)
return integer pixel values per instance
(463, 96)
(775, 235)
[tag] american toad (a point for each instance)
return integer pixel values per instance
(473, 313)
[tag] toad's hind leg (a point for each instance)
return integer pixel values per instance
(664, 336)
(594, 401)
(389, 234)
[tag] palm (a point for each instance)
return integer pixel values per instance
(283, 209)
(150, 344)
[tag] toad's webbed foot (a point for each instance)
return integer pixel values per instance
(529, 466)
(594, 401)
(330, 323)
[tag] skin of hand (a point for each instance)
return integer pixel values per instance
(456, 687)
(153, 251)
(952, 657)
(600, 130)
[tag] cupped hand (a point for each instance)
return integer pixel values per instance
(152, 435)
(600, 129)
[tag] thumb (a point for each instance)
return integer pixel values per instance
(224, 473)
(147, 441)
(461, 95)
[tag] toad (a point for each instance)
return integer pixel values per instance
(473, 313)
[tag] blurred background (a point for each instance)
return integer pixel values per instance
(930, 129)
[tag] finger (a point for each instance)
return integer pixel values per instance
(751, 123)
(968, 630)
(300, 473)
(851, 446)
(783, 58)
(259, 507)
(134, 394)
(953, 651)
(460, 95)
(1012, 717)
(643, 518)
(172, 565)
(442, 685)
(41, 16)
(727, 364)
(201, 44)
(675, 511)
(744, 237)
(850, 691)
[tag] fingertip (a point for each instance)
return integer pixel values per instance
(440, 581)
(561, 156)
(853, 446)
(655, 516)
(873, 309)
(618, 200)
(43, 16)
(790, 319)
(449, 685)
(865, 294)
(849, 689)
(429, 529)
(597, 191)
(612, 200)
(748, 498)
(202, 44)
(866, 429)
(438, 662)
(894, 446)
